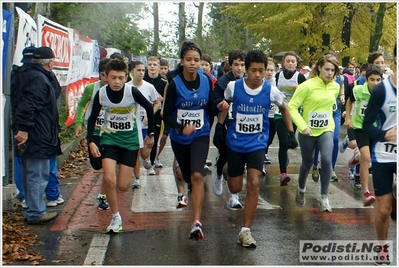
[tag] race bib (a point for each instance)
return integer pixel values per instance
(120, 122)
(143, 117)
(193, 117)
(318, 119)
(363, 107)
(100, 119)
(249, 123)
(387, 147)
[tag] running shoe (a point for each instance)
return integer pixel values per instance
(264, 169)
(196, 231)
(54, 203)
(343, 144)
(208, 162)
(284, 179)
(151, 171)
(207, 170)
(182, 201)
(157, 163)
(102, 202)
(368, 199)
(136, 184)
(234, 202)
(23, 204)
(351, 174)
(357, 183)
(218, 184)
(115, 226)
(383, 258)
(300, 198)
(147, 163)
(246, 240)
(354, 160)
(267, 160)
(325, 205)
(334, 176)
(315, 174)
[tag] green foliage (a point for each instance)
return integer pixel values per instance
(66, 133)
(301, 27)
(111, 24)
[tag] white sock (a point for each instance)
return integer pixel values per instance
(101, 195)
(243, 229)
(116, 215)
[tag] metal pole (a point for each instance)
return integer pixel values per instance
(7, 178)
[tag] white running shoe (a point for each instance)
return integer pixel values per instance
(147, 163)
(218, 185)
(246, 240)
(115, 226)
(54, 203)
(325, 205)
(157, 163)
(151, 171)
(234, 202)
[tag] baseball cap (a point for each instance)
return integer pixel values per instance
(43, 53)
(27, 54)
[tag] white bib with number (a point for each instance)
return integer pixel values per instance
(249, 123)
(120, 122)
(191, 117)
(318, 119)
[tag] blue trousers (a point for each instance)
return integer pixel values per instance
(52, 190)
(35, 175)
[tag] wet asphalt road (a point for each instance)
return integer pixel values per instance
(156, 233)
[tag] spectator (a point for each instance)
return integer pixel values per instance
(37, 132)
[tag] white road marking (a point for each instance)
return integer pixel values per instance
(98, 247)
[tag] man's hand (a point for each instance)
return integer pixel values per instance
(95, 152)
(78, 131)
(21, 137)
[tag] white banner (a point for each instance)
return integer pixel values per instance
(27, 35)
(56, 36)
(86, 62)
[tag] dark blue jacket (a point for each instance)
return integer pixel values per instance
(37, 113)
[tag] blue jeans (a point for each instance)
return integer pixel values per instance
(52, 190)
(35, 175)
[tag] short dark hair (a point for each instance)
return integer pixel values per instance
(133, 64)
(237, 54)
(291, 53)
(116, 65)
(189, 45)
(373, 69)
(116, 55)
(364, 67)
(103, 64)
(206, 58)
(163, 62)
(255, 56)
(373, 56)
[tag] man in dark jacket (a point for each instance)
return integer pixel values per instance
(36, 122)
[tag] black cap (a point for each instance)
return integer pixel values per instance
(43, 53)
(27, 54)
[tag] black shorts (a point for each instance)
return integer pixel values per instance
(383, 177)
(95, 162)
(351, 134)
(361, 138)
(120, 155)
(191, 157)
(236, 161)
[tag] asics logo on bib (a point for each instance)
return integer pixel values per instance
(248, 119)
(319, 116)
(114, 117)
(188, 114)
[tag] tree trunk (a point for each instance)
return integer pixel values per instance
(376, 37)
(182, 22)
(249, 41)
(346, 30)
(200, 25)
(156, 29)
(43, 9)
(226, 34)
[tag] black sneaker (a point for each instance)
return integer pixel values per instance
(102, 203)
